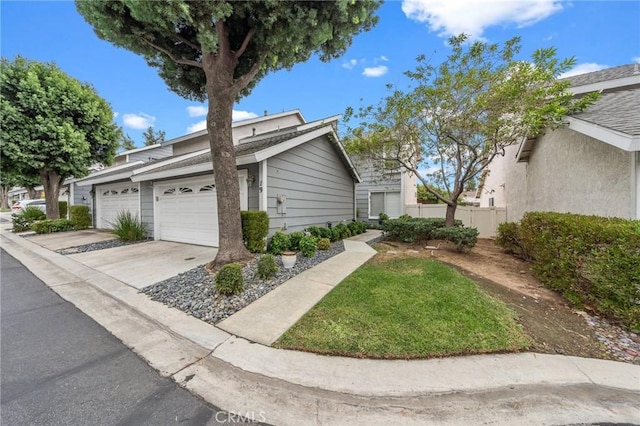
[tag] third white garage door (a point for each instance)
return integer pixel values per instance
(187, 210)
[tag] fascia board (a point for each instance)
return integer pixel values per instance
(170, 161)
(618, 139)
(292, 143)
(605, 85)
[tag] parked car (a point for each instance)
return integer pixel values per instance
(20, 205)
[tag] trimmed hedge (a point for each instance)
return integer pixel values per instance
(591, 260)
(255, 227)
(410, 229)
(63, 207)
(51, 225)
(324, 244)
(308, 246)
(463, 238)
(80, 217)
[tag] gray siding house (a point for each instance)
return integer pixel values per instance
(299, 174)
(591, 166)
(382, 191)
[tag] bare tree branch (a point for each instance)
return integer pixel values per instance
(172, 57)
(189, 43)
(245, 43)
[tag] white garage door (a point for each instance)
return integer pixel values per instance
(187, 210)
(112, 199)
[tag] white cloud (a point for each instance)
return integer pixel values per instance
(350, 64)
(200, 125)
(243, 115)
(452, 17)
(383, 58)
(138, 121)
(237, 116)
(583, 69)
(197, 111)
(378, 71)
(636, 60)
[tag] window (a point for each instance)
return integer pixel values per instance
(207, 188)
(170, 191)
(185, 190)
(134, 190)
(125, 191)
(491, 202)
(385, 202)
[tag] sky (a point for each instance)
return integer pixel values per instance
(599, 34)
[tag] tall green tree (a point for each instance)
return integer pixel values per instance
(458, 116)
(126, 143)
(218, 51)
(152, 137)
(52, 126)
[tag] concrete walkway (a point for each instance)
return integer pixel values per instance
(287, 387)
(266, 319)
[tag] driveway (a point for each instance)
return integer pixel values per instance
(143, 264)
(62, 240)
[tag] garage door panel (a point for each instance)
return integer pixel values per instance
(114, 199)
(187, 214)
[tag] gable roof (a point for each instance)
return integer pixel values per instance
(252, 150)
(239, 123)
(610, 79)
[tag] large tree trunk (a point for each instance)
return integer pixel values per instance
(4, 197)
(222, 95)
(450, 216)
(32, 193)
(51, 182)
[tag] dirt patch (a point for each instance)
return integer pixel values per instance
(553, 325)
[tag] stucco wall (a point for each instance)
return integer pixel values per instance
(317, 186)
(567, 172)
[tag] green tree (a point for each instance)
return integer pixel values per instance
(456, 117)
(126, 143)
(218, 51)
(52, 125)
(151, 137)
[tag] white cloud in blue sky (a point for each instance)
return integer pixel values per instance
(238, 115)
(452, 17)
(138, 121)
(378, 71)
(583, 69)
(350, 64)
(197, 111)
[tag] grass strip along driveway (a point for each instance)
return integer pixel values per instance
(406, 308)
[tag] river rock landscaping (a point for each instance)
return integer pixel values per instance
(101, 245)
(194, 292)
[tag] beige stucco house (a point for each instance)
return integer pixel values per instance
(590, 166)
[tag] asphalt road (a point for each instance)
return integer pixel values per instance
(59, 367)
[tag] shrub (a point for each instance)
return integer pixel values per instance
(353, 227)
(267, 267)
(314, 231)
(128, 227)
(279, 243)
(28, 216)
(255, 227)
(308, 246)
(509, 239)
(294, 240)
(415, 228)
(591, 260)
(80, 217)
(343, 231)
(324, 244)
(463, 238)
(51, 225)
(63, 207)
(382, 218)
(336, 234)
(324, 233)
(229, 279)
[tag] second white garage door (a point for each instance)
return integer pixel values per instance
(187, 210)
(112, 199)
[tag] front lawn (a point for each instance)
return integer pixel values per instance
(406, 308)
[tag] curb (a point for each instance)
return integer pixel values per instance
(258, 381)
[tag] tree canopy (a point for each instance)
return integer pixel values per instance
(52, 125)
(458, 116)
(126, 143)
(218, 51)
(152, 137)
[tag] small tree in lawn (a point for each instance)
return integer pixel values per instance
(152, 137)
(458, 116)
(218, 51)
(53, 126)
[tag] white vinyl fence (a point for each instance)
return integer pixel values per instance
(485, 219)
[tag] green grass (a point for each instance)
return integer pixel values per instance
(406, 308)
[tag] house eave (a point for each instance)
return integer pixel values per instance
(615, 138)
